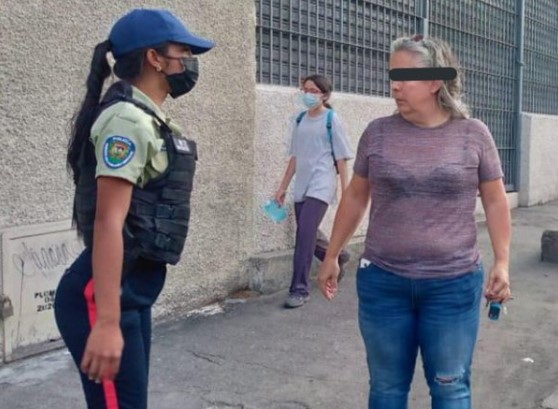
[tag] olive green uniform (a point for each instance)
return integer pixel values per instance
(127, 140)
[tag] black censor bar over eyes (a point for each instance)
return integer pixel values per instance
(422, 74)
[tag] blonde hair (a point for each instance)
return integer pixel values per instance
(434, 52)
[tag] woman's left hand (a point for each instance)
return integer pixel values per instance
(498, 286)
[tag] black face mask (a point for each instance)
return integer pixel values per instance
(183, 82)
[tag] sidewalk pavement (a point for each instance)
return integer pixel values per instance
(253, 354)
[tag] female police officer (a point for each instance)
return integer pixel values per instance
(133, 174)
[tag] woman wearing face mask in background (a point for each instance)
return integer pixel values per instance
(315, 153)
(133, 173)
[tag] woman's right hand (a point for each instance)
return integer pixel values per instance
(103, 351)
(280, 196)
(328, 277)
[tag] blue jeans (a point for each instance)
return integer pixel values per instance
(398, 316)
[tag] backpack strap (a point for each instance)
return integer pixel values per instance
(329, 126)
(299, 117)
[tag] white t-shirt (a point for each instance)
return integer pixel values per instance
(315, 168)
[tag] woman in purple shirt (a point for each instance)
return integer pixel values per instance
(420, 278)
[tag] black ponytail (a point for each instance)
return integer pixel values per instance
(85, 116)
(127, 68)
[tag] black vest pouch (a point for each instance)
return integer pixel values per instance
(160, 211)
(184, 146)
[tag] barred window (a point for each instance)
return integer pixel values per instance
(540, 83)
(346, 40)
(349, 40)
(482, 34)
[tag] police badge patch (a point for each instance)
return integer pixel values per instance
(118, 151)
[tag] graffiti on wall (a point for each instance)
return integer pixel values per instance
(34, 260)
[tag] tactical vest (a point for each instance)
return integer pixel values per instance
(157, 223)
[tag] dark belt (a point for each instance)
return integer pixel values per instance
(144, 264)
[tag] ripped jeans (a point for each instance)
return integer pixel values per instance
(398, 316)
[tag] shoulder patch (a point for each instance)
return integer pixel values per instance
(118, 151)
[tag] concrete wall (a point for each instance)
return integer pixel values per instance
(45, 54)
(48, 46)
(243, 131)
(539, 159)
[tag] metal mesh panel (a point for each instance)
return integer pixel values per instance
(346, 40)
(540, 83)
(482, 34)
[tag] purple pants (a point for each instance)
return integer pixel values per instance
(310, 241)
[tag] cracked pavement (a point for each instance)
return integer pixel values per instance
(256, 355)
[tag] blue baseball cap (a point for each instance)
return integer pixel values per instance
(144, 28)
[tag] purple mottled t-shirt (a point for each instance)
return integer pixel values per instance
(424, 184)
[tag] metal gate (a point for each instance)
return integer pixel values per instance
(483, 33)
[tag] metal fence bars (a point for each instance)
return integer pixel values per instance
(349, 40)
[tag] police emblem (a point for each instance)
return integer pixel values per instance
(118, 151)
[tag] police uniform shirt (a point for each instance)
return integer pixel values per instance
(128, 142)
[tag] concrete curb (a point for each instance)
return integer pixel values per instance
(271, 272)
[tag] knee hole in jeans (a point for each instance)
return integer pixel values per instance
(448, 380)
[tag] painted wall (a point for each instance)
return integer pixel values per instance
(46, 52)
(539, 159)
